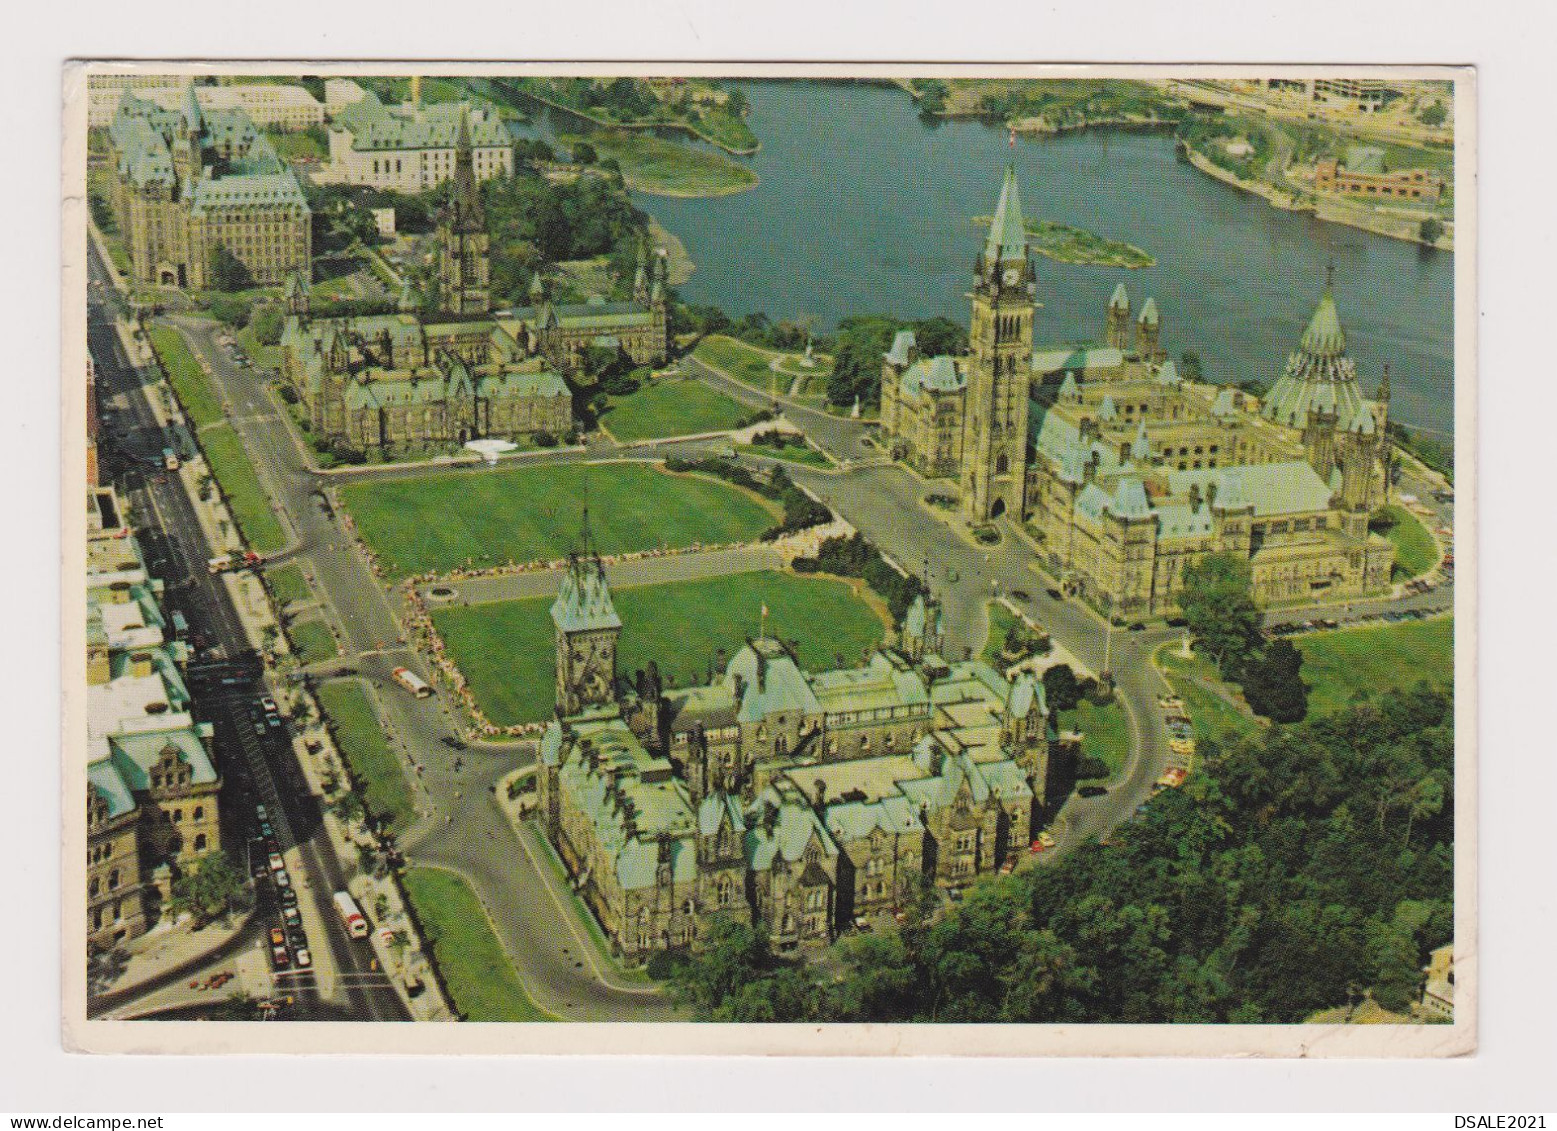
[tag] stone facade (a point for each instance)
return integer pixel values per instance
(796, 800)
(192, 186)
(152, 804)
(413, 148)
(1130, 473)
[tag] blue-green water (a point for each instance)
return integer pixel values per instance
(862, 207)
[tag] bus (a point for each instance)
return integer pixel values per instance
(170, 459)
(412, 682)
(351, 915)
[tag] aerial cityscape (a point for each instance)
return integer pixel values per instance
(684, 549)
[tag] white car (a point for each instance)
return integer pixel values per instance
(303, 959)
(276, 863)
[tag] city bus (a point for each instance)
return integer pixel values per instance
(412, 682)
(351, 915)
(170, 459)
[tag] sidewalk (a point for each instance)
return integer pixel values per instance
(168, 950)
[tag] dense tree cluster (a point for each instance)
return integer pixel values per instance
(855, 556)
(534, 221)
(862, 339)
(1218, 604)
(1299, 868)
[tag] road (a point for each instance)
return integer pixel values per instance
(177, 549)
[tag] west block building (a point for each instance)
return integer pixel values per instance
(152, 780)
(413, 148)
(269, 105)
(1128, 472)
(386, 381)
(799, 800)
(190, 186)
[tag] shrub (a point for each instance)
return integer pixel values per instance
(544, 439)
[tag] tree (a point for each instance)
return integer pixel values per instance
(1434, 114)
(1190, 365)
(1218, 603)
(267, 323)
(584, 153)
(1431, 230)
(1061, 688)
(208, 888)
(227, 272)
(1273, 684)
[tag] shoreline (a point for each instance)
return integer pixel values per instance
(685, 127)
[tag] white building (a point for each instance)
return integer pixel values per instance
(410, 148)
(274, 106)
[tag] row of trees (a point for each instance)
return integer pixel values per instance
(1301, 867)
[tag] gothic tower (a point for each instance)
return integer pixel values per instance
(587, 631)
(464, 271)
(1118, 325)
(999, 366)
(1148, 333)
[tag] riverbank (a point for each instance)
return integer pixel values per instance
(682, 126)
(658, 167)
(1333, 210)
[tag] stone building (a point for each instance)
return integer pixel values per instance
(565, 331)
(775, 795)
(414, 147)
(152, 782)
(192, 186)
(1131, 473)
(269, 105)
(383, 382)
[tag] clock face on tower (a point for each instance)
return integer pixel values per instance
(1012, 276)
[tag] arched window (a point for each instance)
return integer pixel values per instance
(113, 879)
(1002, 465)
(200, 842)
(94, 887)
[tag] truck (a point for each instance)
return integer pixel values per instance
(412, 682)
(351, 915)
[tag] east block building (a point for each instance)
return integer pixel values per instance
(798, 800)
(152, 780)
(1124, 472)
(192, 185)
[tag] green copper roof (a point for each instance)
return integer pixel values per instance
(1324, 336)
(584, 602)
(1121, 299)
(1007, 234)
(1149, 312)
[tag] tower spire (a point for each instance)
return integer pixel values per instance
(1007, 232)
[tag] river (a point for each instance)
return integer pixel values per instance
(863, 207)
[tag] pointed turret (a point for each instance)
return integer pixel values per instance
(537, 289)
(1141, 449)
(1121, 299)
(1324, 337)
(1007, 241)
(641, 277)
(1117, 323)
(469, 215)
(194, 121)
(1320, 380)
(1148, 333)
(1148, 312)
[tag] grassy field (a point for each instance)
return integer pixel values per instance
(1106, 730)
(1213, 716)
(470, 959)
(665, 168)
(1415, 550)
(312, 641)
(246, 499)
(287, 584)
(1000, 621)
(1338, 665)
(741, 361)
(505, 648)
(671, 407)
(796, 451)
(360, 736)
(483, 517)
(189, 381)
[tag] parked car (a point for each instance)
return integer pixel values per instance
(1092, 790)
(290, 916)
(278, 937)
(276, 863)
(304, 959)
(288, 898)
(278, 958)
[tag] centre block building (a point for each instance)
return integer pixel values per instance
(798, 800)
(1123, 471)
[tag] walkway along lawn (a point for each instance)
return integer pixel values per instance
(312, 641)
(483, 517)
(247, 500)
(471, 961)
(360, 736)
(506, 649)
(671, 406)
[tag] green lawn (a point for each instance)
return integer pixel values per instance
(1339, 664)
(312, 641)
(246, 499)
(672, 407)
(741, 361)
(374, 766)
(506, 649)
(798, 451)
(287, 584)
(189, 381)
(1106, 732)
(1000, 621)
(1415, 550)
(666, 168)
(483, 517)
(475, 970)
(1213, 716)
